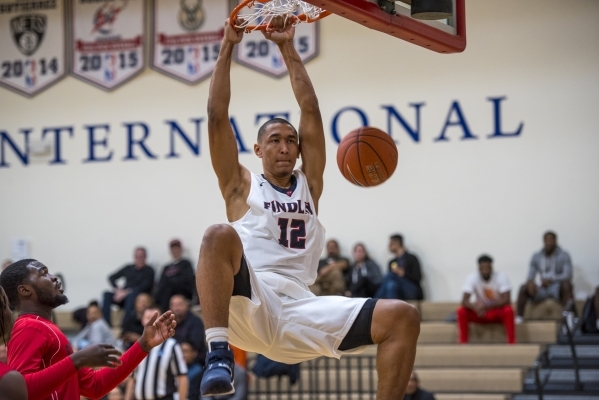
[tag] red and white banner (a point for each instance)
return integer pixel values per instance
(32, 44)
(186, 36)
(264, 56)
(108, 41)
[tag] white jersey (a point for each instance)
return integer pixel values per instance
(487, 291)
(281, 232)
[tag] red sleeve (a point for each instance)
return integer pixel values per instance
(95, 384)
(4, 369)
(25, 353)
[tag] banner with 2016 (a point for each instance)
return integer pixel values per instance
(107, 42)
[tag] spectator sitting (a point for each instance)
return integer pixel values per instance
(596, 302)
(194, 369)
(365, 275)
(162, 374)
(6, 263)
(403, 279)
(554, 267)
(413, 391)
(332, 272)
(492, 290)
(190, 327)
(176, 278)
(132, 327)
(116, 394)
(139, 278)
(96, 331)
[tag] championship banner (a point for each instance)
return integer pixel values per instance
(32, 44)
(264, 56)
(108, 41)
(186, 36)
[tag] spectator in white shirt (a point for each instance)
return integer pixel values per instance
(491, 290)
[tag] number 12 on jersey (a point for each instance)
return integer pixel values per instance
(293, 235)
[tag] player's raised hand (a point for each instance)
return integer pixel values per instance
(233, 34)
(97, 355)
(157, 330)
(280, 29)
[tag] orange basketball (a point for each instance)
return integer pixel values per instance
(367, 156)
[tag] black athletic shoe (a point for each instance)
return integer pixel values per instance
(218, 376)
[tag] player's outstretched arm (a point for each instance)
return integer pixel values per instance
(311, 131)
(223, 146)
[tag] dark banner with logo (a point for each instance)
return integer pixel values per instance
(32, 45)
(107, 41)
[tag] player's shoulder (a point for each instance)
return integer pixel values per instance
(501, 276)
(473, 277)
(27, 322)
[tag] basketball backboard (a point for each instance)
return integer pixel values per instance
(393, 18)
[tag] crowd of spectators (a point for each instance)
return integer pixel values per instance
(486, 299)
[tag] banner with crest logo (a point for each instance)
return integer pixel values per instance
(32, 44)
(186, 36)
(108, 41)
(264, 56)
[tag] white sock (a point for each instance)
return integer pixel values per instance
(216, 335)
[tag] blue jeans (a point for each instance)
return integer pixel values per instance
(397, 287)
(128, 304)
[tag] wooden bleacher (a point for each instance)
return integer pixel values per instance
(485, 369)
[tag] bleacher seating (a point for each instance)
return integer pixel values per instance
(485, 369)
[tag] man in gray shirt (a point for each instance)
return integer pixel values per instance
(554, 267)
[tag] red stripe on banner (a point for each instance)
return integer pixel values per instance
(109, 45)
(190, 38)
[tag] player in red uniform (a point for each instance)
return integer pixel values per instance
(12, 385)
(42, 353)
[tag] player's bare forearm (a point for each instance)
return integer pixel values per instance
(221, 139)
(311, 131)
(219, 95)
(300, 81)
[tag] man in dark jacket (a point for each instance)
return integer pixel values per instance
(139, 278)
(177, 278)
(403, 279)
(413, 391)
(190, 327)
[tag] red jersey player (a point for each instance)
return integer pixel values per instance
(12, 385)
(42, 353)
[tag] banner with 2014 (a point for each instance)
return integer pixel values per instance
(108, 39)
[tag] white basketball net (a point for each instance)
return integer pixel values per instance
(263, 13)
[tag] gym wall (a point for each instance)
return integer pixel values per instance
(498, 145)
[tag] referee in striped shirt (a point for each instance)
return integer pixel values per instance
(162, 374)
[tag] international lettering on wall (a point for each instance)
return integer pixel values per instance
(186, 36)
(264, 56)
(32, 44)
(107, 37)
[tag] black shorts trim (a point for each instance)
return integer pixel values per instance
(359, 334)
(241, 281)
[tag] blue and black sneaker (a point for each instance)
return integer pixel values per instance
(218, 375)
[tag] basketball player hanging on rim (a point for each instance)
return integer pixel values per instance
(253, 273)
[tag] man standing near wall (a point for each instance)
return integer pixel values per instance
(332, 272)
(554, 267)
(139, 278)
(492, 290)
(177, 278)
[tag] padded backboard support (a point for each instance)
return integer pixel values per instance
(402, 26)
